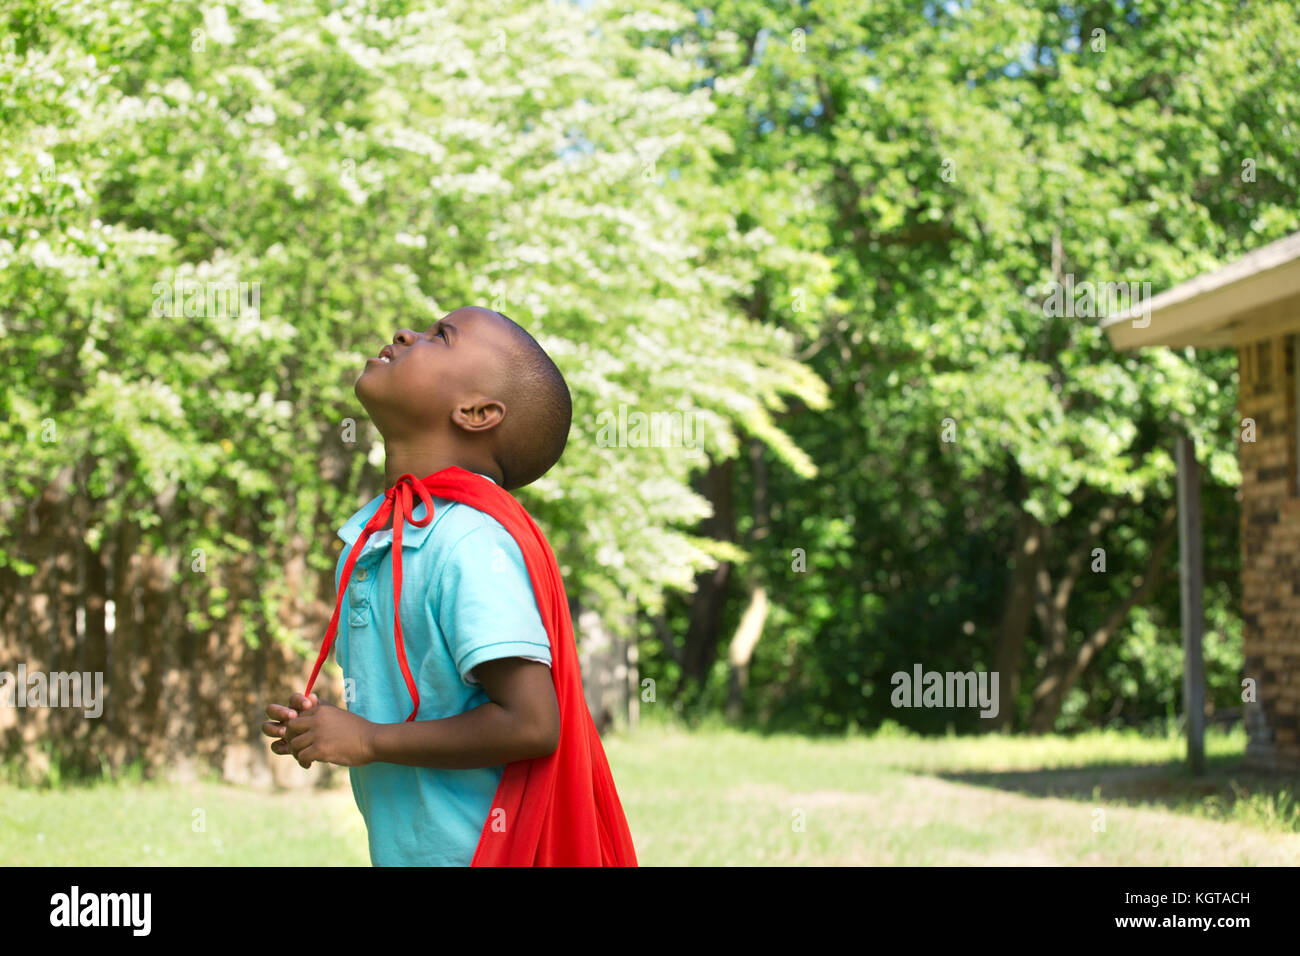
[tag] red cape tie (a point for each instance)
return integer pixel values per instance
(558, 810)
(397, 501)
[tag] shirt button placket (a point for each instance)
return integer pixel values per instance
(359, 595)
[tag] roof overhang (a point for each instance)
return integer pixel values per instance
(1256, 297)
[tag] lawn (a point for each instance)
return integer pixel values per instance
(718, 796)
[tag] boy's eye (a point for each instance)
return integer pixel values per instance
(443, 333)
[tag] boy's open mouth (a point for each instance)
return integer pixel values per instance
(385, 356)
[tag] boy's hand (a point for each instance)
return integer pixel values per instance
(330, 734)
(280, 717)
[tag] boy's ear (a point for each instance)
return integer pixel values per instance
(479, 416)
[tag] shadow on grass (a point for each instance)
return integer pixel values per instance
(1227, 790)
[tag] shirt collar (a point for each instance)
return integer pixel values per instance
(412, 536)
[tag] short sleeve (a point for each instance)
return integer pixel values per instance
(486, 606)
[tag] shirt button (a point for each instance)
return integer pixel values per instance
(361, 574)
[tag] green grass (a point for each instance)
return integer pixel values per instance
(719, 796)
(153, 823)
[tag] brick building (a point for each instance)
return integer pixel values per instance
(1252, 306)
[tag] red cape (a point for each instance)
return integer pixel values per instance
(557, 810)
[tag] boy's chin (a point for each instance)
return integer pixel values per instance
(371, 395)
(369, 382)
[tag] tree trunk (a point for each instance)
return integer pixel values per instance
(603, 680)
(121, 705)
(742, 650)
(709, 601)
(1017, 613)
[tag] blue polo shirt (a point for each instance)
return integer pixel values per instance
(466, 599)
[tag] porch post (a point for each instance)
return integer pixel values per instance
(1191, 584)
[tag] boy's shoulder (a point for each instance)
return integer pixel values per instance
(460, 520)
(466, 536)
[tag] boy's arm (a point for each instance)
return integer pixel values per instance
(520, 721)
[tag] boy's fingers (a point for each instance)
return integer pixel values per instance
(280, 747)
(279, 712)
(304, 703)
(300, 724)
(273, 728)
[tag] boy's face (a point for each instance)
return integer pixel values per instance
(426, 379)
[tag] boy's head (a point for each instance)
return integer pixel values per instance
(474, 385)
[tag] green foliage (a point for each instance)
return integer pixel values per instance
(213, 212)
(961, 158)
(831, 229)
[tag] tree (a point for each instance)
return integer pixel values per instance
(214, 212)
(972, 161)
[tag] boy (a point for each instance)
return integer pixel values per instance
(467, 738)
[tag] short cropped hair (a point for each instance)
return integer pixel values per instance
(539, 412)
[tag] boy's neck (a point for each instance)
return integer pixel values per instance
(423, 458)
